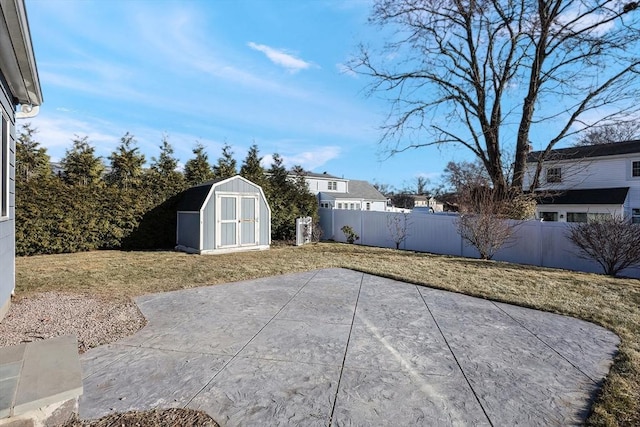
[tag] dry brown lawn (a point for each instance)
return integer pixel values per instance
(612, 303)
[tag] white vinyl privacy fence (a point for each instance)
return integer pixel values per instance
(534, 242)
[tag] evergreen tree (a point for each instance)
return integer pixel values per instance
(289, 198)
(80, 164)
(301, 197)
(32, 161)
(198, 170)
(163, 178)
(252, 168)
(277, 173)
(126, 164)
(226, 167)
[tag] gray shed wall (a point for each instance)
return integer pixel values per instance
(7, 226)
(189, 229)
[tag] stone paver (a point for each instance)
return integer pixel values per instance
(338, 347)
(38, 374)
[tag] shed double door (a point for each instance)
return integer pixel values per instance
(237, 220)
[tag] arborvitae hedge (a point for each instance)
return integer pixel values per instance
(54, 217)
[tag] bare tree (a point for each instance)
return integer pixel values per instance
(398, 226)
(403, 200)
(475, 72)
(461, 176)
(609, 133)
(614, 243)
(385, 189)
(421, 183)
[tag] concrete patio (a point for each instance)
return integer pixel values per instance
(339, 347)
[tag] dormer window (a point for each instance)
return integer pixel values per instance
(332, 185)
(554, 175)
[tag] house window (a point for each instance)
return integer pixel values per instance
(4, 169)
(635, 169)
(594, 217)
(587, 217)
(352, 206)
(554, 175)
(635, 216)
(549, 216)
(576, 217)
(368, 205)
(332, 185)
(339, 205)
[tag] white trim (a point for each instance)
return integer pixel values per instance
(5, 167)
(190, 250)
(236, 249)
(238, 199)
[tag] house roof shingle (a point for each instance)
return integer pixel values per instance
(358, 190)
(600, 150)
(318, 175)
(595, 196)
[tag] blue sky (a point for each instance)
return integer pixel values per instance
(269, 72)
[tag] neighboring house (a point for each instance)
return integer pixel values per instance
(427, 203)
(340, 193)
(20, 87)
(223, 215)
(323, 182)
(581, 183)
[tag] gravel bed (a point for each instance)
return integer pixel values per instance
(94, 322)
(177, 417)
(50, 314)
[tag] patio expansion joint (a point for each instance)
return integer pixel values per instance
(235, 356)
(346, 348)
(455, 358)
(522, 325)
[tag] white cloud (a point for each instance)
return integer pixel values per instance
(309, 160)
(281, 57)
(56, 134)
(313, 158)
(579, 17)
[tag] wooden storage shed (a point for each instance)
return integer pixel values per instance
(225, 215)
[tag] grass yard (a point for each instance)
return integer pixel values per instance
(612, 303)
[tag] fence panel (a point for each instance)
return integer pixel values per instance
(535, 243)
(434, 233)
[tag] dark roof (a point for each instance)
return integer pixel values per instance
(358, 190)
(317, 175)
(193, 198)
(599, 150)
(595, 196)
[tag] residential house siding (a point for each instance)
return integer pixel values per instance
(19, 84)
(598, 172)
(7, 223)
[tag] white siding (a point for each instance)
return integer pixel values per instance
(317, 185)
(590, 173)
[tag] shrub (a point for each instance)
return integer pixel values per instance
(349, 234)
(614, 243)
